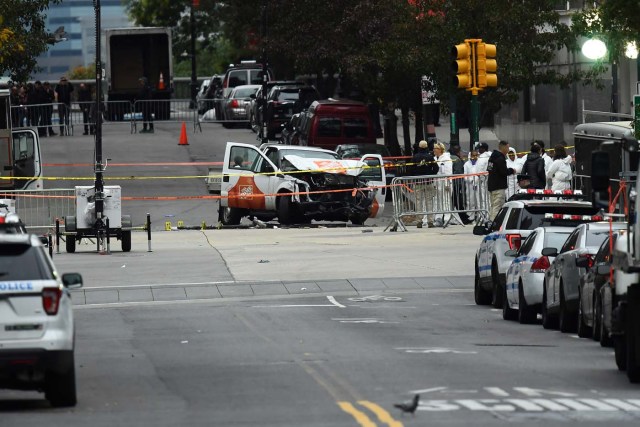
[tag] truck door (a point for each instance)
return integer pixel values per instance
(246, 178)
(26, 160)
(376, 177)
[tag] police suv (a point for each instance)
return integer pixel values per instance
(516, 219)
(36, 321)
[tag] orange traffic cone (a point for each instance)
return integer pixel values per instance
(183, 135)
(161, 82)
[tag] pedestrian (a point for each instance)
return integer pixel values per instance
(50, 99)
(471, 184)
(533, 168)
(63, 95)
(424, 166)
(17, 112)
(37, 108)
(483, 156)
(144, 96)
(497, 181)
(85, 101)
(560, 170)
(459, 193)
(443, 185)
(514, 163)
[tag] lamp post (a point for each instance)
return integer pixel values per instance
(265, 76)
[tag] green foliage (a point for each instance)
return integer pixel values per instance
(26, 22)
(83, 73)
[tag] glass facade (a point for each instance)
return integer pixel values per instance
(78, 19)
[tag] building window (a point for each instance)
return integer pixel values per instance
(66, 52)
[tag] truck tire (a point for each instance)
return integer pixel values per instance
(360, 219)
(70, 240)
(231, 216)
(620, 350)
(481, 296)
(125, 240)
(631, 331)
(285, 211)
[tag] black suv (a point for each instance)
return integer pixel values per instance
(284, 101)
(255, 112)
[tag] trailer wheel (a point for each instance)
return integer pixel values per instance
(125, 239)
(70, 243)
(70, 240)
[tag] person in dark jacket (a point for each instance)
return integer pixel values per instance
(50, 99)
(63, 93)
(144, 96)
(497, 182)
(533, 168)
(85, 101)
(459, 192)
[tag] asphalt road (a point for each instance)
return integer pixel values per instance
(317, 361)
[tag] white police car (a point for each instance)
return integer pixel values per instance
(36, 321)
(525, 277)
(516, 219)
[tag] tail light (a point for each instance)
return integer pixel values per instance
(234, 103)
(589, 257)
(51, 300)
(514, 241)
(540, 265)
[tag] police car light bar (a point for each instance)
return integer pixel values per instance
(574, 217)
(533, 193)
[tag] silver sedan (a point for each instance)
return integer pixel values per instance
(236, 104)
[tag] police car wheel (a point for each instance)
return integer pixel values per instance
(605, 339)
(566, 320)
(548, 322)
(526, 313)
(595, 331)
(620, 350)
(633, 363)
(60, 388)
(507, 312)
(498, 293)
(583, 329)
(481, 296)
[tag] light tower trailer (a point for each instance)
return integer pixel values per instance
(88, 224)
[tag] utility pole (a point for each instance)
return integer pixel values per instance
(194, 78)
(265, 76)
(99, 165)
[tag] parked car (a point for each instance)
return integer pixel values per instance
(244, 73)
(255, 112)
(235, 105)
(525, 276)
(212, 103)
(285, 100)
(562, 279)
(329, 123)
(392, 167)
(37, 339)
(289, 132)
(515, 221)
(297, 185)
(10, 222)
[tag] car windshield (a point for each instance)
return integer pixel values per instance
(23, 262)
(309, 154)
(351, 152)
(555, 240)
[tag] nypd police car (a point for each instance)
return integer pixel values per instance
(36, 321)
(516, 219)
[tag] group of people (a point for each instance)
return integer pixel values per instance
(33, 105)
(507, 173)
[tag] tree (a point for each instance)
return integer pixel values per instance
(24, 36)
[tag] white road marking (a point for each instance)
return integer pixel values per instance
(292, 305)
(497, 391)
(437, 350)
(333, 301)
(537, 392)
(427, 390)
(361, 320)
(618, 403)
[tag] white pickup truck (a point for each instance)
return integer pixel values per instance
(298, 184)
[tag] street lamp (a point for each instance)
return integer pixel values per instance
(596, 49)
(194, 78)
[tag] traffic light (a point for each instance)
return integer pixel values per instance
(486, 65)
(462, 66)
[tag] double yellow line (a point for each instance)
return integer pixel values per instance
(363, 419)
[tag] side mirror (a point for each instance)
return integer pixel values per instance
(582, 262)
(553, 252)
(603, 269)
(511, 253)
(72, 280)
(480, 230)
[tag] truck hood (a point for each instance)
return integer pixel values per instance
(349, 167)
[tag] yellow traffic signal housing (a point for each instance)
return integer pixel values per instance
(462, 66)
(486, 65)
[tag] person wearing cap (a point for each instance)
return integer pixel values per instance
(144, 95)
(424, 164)
(514, 163)
(497, 181)
(63, 95)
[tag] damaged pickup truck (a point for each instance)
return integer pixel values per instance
(298, 184)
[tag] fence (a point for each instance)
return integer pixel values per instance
(39, 209)
(442, 197)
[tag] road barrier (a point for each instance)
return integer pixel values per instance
(39, 209)
(441, 197)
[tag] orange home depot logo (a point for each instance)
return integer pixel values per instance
(330, 166)
(245, 194)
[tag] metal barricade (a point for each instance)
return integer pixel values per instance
(42, 117)
(439, 198)
(39, 209)
(164, 110)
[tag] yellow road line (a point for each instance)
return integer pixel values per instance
(359, 416)
(381, 413)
